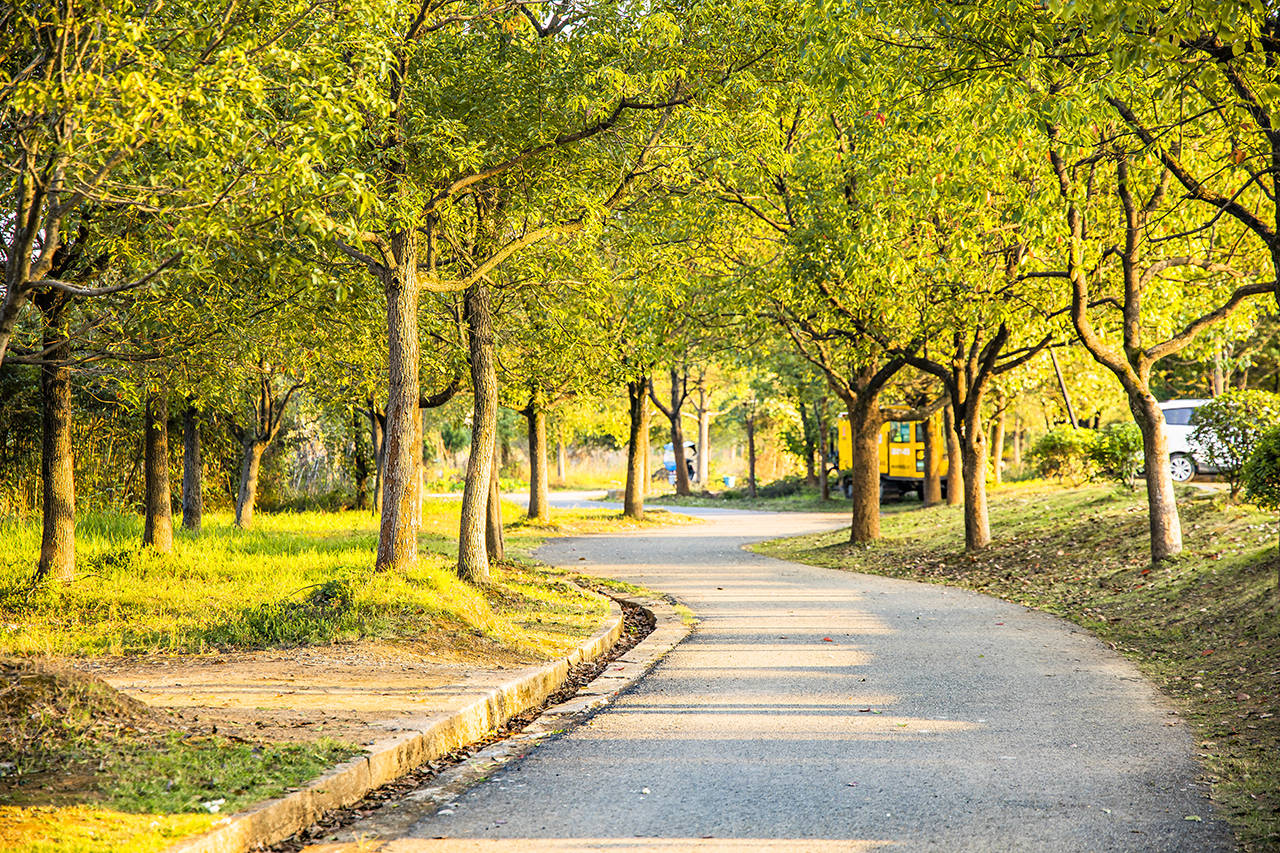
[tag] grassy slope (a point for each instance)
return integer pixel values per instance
(1204, 627)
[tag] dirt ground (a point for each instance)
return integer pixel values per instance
(352, 692)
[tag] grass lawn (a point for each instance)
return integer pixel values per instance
(1204, 627)
(101, 772)
(294, 579)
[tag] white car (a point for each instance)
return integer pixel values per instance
(1183, 461)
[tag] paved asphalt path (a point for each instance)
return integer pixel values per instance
(814, 709)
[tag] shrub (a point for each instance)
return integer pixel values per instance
(1226, 429)
(1261, 472)
(1063, 453)
(1116, 452)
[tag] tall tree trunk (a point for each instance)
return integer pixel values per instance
(377, 439)
(977, 522)
(646, 451)
(931, 492)
(973, 456)
(637, 448)
(493, 536)
(704, 439)
(192, 470)
(997, 448)
(251, 461)
(419, 468)
(562, 457)
(1018, 434)
(1218, 379)
(955, 469)
(157, 530)
(536, 419)
(57, 465)
(864, 429)
(824, 450)
(360, 460)
(677, 451)
(473, 559)
(750, 422)
(397, 535)
(1162, 504)
(677, 432)
(810, 447)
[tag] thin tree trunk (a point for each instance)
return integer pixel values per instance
(1062, 386)
(704, 440)
(493, 537)
(473, 559)
(646, 451)
(562, 457)
(1018, 432)
(955, 468)
(419, 466)
(57, 465)
(157, 530)
(1162, 504)
(192, 471)
(824, 450)
(376, 437)
(810, 447)
(751, 454)
(931, 492)
(864, 429)
(536, 419)
(251, 461)
(397, 534)
(637, 448)
(997, 448)
(359, 460)
(677, 433)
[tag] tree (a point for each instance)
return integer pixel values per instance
(541, 75)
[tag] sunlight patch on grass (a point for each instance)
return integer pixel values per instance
(93, 829)
(293, 579)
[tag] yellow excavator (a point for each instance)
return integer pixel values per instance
(901, 456)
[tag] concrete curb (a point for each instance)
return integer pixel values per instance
(668, 632)
(387, 760)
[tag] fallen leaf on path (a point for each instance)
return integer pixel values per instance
(1194, 817)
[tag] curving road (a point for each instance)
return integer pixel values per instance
(814, 709)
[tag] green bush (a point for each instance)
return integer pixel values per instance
(1116, 452)
(1261, 472)
(1063, 453)
(1226, 429)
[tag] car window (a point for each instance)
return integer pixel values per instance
(899, 432)
(1178, 417)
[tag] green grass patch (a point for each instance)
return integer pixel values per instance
(294, 579)
(1204, 627)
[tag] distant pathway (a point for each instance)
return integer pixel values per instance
(815, 709)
